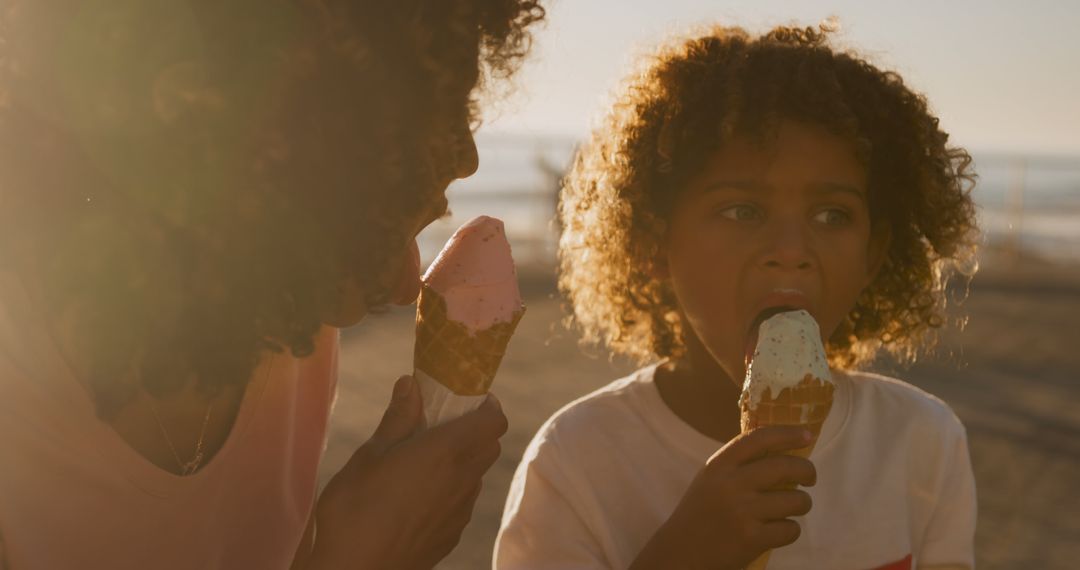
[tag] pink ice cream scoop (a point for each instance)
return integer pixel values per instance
(475, 275)
(468, 309)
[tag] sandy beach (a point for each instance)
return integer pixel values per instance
(1010, 375)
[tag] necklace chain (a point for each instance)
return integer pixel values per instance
(189, 467)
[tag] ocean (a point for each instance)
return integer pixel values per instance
(1026, 203)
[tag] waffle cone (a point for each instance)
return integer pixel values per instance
(447, 351)
(806, 404)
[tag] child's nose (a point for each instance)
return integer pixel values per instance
(789, 248)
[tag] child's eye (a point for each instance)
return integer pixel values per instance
(740, 213)
(832, 217)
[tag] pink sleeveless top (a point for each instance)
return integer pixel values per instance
(73, 494)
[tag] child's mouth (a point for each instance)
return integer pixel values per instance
(752, 334)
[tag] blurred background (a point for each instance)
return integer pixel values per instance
(1002, 76)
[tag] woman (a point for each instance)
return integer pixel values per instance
(194, 194)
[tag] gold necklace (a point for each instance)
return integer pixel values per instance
(189, 467)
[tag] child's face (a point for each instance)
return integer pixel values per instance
(761, 228)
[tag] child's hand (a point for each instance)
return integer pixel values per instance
(729, 516)
(403, 500)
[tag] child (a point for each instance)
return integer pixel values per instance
(736, 177)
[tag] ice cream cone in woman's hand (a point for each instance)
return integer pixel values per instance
(787, 382)
(468, 309)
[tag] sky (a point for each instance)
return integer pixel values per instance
(1003, 76)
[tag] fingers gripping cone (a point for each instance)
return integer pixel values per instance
(787, 383)
(468, 309)
(806, 404)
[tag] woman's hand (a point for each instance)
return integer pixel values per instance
(404, 498)
(729, 515)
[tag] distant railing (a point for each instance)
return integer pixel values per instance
(532, 235)
(1027, 204)
(1030, 205)
(518, 181)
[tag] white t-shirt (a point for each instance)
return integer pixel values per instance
(895, 488)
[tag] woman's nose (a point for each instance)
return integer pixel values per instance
(467, 159)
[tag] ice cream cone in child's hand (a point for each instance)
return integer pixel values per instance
(468, 309)
(787, 383)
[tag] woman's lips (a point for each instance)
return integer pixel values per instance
(408, 284)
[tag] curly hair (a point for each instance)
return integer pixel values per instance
(689, 99)
(205, 173)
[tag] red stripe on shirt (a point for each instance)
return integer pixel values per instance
(904, 564)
